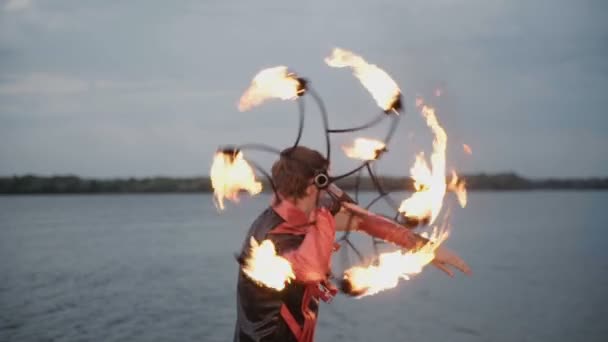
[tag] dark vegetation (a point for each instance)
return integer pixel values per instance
(32, 184)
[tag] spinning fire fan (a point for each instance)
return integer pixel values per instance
(232, 173)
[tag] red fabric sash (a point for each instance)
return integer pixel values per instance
(306, 333)
(310, 261)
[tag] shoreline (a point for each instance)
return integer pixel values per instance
(69, 184)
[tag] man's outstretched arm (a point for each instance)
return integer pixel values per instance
(354, 218)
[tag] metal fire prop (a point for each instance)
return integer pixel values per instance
(232, 173)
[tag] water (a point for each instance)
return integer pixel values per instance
(161, 267)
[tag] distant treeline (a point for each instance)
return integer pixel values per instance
(33, 184)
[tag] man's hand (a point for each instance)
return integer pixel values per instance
(444, 259)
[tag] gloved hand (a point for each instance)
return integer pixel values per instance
(445, 258)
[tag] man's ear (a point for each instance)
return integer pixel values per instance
(311, 190)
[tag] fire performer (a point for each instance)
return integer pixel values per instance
(302, 222)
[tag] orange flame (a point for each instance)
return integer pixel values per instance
(467, 149)
(393, 266)
(270, 83)
(265, 267)
(430, 182)
(230, 173)
(382, 87)
(458, 187)
(365, 149)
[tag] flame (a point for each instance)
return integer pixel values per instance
(458, 187)
(429, 182)
(270, 83)
(393, 266)
(365, 149)
(467, 149)
(382, 87)
(265, 267)
(230, 173)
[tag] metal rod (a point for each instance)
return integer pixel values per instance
(357, 184)
(325, 119)
(381, 190)
(301, 118)
(375, 244)
(392, 129)
(351, 245)
(376, 199)
(369, 124)
(349, 173)
(345, 258)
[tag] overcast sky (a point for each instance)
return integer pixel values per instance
(148, 87)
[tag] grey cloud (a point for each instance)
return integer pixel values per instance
(524, 81)
(43, 83)
(17, 5)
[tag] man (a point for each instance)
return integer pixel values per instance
(302, 223)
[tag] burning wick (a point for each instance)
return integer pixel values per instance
(265, 267)
(396, 106)
(231, 174)
(365, 149)
(277, 82)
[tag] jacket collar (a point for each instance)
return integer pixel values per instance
(291, 214)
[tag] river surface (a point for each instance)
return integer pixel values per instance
(161, 268)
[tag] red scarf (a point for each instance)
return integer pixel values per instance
(310, 261)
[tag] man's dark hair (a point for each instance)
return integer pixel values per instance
(295, 169)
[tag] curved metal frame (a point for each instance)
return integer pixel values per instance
(366, 166)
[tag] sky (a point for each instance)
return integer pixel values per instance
(148, 87)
